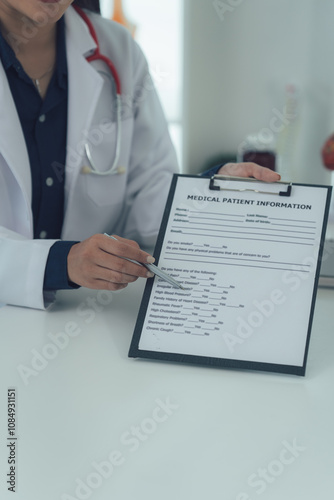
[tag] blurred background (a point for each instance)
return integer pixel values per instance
(237, 75)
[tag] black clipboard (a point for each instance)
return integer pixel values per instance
(280, 190)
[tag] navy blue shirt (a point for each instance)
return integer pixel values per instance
(212, 171)
(44, 126)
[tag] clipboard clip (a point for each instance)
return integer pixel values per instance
(214, 187)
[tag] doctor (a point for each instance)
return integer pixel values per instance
(58, 132)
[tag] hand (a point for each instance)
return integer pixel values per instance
(96, 263)
(249, 169)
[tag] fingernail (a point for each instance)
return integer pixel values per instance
(150, 259)
(149, 274)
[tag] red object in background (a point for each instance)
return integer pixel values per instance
(327, 153)
(263, 158)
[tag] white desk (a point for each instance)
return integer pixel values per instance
(228, 425)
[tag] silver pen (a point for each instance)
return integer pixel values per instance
(154, 269)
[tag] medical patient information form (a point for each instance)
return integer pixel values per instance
(248, 255)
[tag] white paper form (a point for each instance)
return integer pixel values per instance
(248, 262)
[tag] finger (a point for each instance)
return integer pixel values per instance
(132, 243)
(124, 275)
(102, 284)
(126, 249)
(98, 276)
(261, 173)
(249, 169)
(107, 262)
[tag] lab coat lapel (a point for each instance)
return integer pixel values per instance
(12, 142)
(85, 86)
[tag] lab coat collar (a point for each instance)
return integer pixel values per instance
(77, 30)
(12, 142)
(84, 89)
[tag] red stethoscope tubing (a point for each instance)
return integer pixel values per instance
(97, 54)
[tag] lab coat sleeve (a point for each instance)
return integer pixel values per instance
(21, 279)
(152, 163)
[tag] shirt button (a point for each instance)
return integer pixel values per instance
(43, 235)
(42, 118)
(49, 181)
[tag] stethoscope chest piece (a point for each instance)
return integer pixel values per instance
(91, 167)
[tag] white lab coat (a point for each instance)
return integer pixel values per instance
(130, 205)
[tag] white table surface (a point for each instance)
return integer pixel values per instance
(222, 438)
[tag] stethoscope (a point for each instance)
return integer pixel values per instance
(96, 55)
